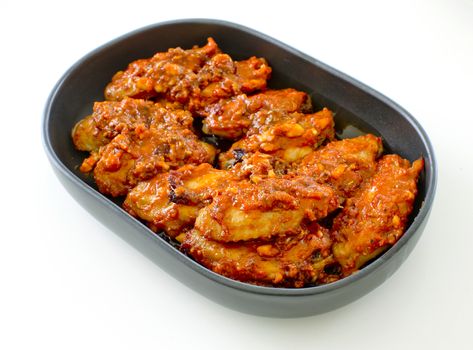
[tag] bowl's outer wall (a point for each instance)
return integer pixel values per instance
(353, 103)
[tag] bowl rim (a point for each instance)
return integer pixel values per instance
(431, 175)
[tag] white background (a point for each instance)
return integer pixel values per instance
(67, 282)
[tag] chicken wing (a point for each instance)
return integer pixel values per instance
(108, 120)
(171, 73)
(287, 136)
(194, 77)
(377, 216)
(272, 206)
(344, 164)
(284, 261)
(221, 78)
(139, 154)
(231, 118)
(171, 201)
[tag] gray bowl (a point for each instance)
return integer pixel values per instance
(358, 108)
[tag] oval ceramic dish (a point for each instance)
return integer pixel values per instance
(357, 107)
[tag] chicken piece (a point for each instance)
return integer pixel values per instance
(139, 154)
(288, 100)
(171, 73)
(108, 120)
(257, 165)
(231, 118)
(193, 78)
(289, 137)
(377, 216)
(221, 78)
(284, 262)
(171, 201)
(344, 164)
(252, 74)
(85, 135)
(270, 207)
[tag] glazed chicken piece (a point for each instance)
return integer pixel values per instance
(232, 118)
(270, 207)
(254, 166)
(171, 201)
(289, 137)
(170, 73)
(291, 261)
(376, 217)
(344, 164)
(108, 120)
(288, 100)
(141, 153)
(194, 77)
(221, 78)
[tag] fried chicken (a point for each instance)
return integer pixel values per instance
(194, 78)
(232, 118)
(171, 201)
(376, 217)
(343, 164)
(287, 136)
(140, 153)
(109, 119)
(246, 210)
(171, 73)
(291, 261)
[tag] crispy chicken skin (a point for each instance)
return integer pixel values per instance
(141, 153)
(231, 118)
(194, 77)
(246, 210)
(376, 217)
(171, 201)
(284, 261)
(344, 164)
(287, 136)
